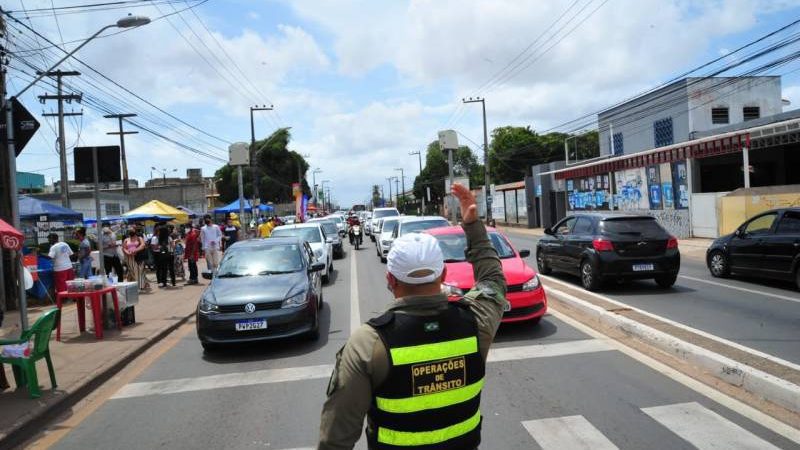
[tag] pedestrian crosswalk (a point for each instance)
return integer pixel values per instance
(694, 423)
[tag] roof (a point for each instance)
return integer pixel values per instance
(269, 241)
(299, 225)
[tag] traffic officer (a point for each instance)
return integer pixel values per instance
(416, 372)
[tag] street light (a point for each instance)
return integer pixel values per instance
(253, 162)
(314, 180)
(482, 101)
(163, 172)
(419, 155)
(402, 177)
(322, 184)
(125, 22)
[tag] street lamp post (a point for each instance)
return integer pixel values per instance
(419, 155)
(403, 192)
(322, 184)
(163, 173)
(482, 101)
(125, 22)
(253, 164)
(314, 178)
(389, 179)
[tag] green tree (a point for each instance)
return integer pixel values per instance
(376, 195)
(277, 168)
(435, 172)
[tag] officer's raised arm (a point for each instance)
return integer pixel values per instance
(488, 298)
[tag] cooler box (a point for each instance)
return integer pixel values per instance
(128, 295)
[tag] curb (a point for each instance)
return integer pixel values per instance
(729, 371)
(38, 420)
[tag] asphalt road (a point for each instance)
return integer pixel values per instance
(760, 314)
(552, 386)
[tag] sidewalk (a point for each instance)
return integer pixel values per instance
(81, 362)
(690, 246)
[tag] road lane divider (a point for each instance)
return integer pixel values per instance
(355, 311)
(739, 288)
(763, 385)
(268, 376)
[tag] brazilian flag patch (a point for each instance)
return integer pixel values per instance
(432, 326)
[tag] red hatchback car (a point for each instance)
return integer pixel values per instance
(525, 293)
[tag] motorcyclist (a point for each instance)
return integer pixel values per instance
(351, 222)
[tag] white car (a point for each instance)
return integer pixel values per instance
(341, 224)
(385, 237)
(315, 236)
(417, 224)
(380, 213)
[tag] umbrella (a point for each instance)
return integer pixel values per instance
(157, 208)
(188, 211)
(10, 238)
(32, 209)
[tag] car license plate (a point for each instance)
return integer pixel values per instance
(251, 324)
(643, 267)
(507, 307)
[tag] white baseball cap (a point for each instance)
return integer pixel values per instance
(415, 258)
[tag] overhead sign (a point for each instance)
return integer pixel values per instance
(108, 164)
(25, 126)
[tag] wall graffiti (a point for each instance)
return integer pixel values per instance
(631, 190)
(675, 221)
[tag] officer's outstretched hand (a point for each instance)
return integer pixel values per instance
(469, 210)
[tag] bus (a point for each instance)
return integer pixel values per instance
(358, 208)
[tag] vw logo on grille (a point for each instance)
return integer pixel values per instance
(249, 308)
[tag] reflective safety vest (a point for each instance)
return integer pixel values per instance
(432, 393)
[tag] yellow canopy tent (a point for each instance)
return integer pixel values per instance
(157, 208)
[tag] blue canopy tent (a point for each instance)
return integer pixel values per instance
(34, 210)
(132, 218)
(233, 207)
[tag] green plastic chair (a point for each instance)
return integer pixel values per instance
(25, 368)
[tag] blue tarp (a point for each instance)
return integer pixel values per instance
(32, 209)
(233, 207)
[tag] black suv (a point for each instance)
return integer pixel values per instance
(768, 245)
(602, 246)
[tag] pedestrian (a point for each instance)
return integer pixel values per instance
(60, 253)
(427, 394)
(265, 229)
(231, 232)
(84, 253)
(210, 240)
(162, 249)
(192, 253)
(108, 241)
(134, 249)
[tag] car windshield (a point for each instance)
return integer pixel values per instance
(389, 226)
(261, 260)
(422, 225)
(454, 245)
(384, 213)
(310, 234)
(329, 228)
(636, 226)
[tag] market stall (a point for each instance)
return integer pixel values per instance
(157, 208)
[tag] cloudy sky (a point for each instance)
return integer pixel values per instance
(363, 83)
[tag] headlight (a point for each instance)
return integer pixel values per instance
(207, 306)
(450, 290)
(295, 301)
(386, 243)
(531, 284)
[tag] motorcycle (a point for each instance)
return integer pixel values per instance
(356, 231)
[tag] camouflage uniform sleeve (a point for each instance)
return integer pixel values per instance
(488, 298)
(349, 392)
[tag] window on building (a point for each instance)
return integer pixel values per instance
(662, 131)
(719, 115)
(618, 149)
(113, 209)
(751, 112)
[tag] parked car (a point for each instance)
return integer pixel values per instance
(526, 296)
(603, 246)
(385, 236)
(767, 245)
(417, 224)
(264, 289)
(315, 236)
(380, 213)
(330, 229)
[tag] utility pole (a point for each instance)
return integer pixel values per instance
(314, 177)
(485, 156)
(122, 133)
(419, 155)
(253, 165)
(390, 188)
(403, 192)
(62, 144)
(396, 191)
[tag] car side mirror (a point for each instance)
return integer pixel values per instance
(329, 240)
(549, 231)
(208, 275)
(317, 267)
(524, 253)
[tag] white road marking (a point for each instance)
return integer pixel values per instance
(267, 376)
(548, 350)
(707, 335)
(731, 403)
(355, 313)
(704, 428)
(738, 288)
(224, 381)
(567, 433)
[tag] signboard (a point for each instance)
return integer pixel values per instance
(239, 154)
(448, 140)
(108, 164)
(25, 126)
